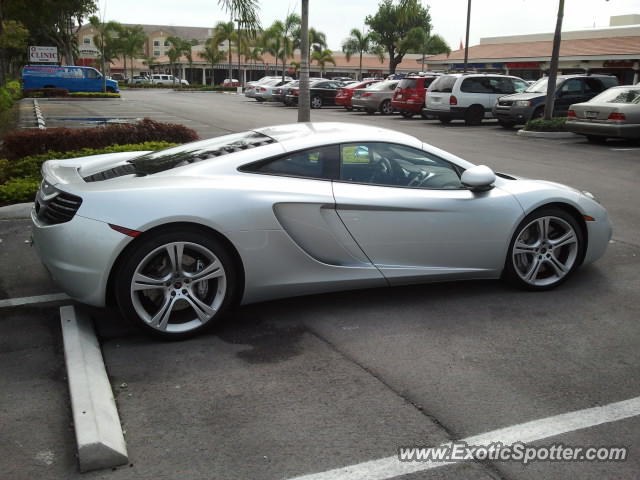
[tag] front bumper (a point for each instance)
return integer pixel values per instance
(79, 255)
(604, 129)
(515, 115)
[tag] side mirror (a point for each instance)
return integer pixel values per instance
(479, 178)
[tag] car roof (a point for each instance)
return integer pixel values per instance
(298, 135)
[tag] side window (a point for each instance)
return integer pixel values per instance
(593, 86)
(519, 86)
(91, 73)
(476, 85)
(394, 165)
(572, 87)
(321, 162)
(321, 85)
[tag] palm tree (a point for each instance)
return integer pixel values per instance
(322, 58)
(317, 39)
(212, 54)
(358, 42)
(179, 47)
(273, 43)
(290, 23)
(224, 32)
(132, 43)
(254, 55)
(150, 62)
(106, 44)
(304, 102)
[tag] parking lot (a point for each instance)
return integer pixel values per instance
(307, 385)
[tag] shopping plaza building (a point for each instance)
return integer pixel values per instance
(614, 50)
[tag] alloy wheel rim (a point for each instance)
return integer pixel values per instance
(178, 287)
(316, 102)
(386, 108)
(545, 251)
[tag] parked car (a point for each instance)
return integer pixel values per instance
(287, 98)
(264, 91)
(267, 78)
(376, 97)
(299, 209)
(613, 113)
(230, 82)
(342, 79)
(137, 79)
(519, 108)
(72, 78)
(321, 92)
(343, 97)
(279, 93)
(167, 80)
(409, 96)
(469, 97)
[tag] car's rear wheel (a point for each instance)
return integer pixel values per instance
(407, 114)
(474, 115)
(111, 90)
(545, 250)
(386, 108)
(444, 120)
(176, 284)
(316, 102)
(348, 109)
(370, 111)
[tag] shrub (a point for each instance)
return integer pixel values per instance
(22, 143)
(94, 95)
(556, 124)
(209, 89)
(30, 166)
(18, 190)
(45, 92)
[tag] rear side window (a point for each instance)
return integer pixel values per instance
(320, 163)
(443, 84)
(490, 85)
(407, 83)
(572, 86)
(593, 86)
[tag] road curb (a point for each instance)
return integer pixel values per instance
(534, 134)
(38, 113)
(16, 211)
(95, 416)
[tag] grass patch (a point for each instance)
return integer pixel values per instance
(556, 124)
(94, 95)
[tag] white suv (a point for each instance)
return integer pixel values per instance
(468, 97)
(167, 80)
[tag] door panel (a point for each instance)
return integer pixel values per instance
(411, 233)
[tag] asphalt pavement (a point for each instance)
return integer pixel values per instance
(305, 385)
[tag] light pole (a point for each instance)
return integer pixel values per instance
(240, 79)
(466, 42)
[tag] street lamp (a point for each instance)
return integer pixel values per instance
(466, 43)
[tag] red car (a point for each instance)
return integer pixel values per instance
(345, 93)
(409, 97)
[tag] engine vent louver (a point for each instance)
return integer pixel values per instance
(59, 209)
(119, 171)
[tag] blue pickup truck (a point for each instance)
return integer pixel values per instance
(73, 78)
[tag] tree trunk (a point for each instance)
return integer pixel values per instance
(230, 62)
(392, 60)
(360, 68)
(304, 102)
(553, 68)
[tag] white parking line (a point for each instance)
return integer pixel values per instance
(624, 149)
(16, 302)
(389, 467)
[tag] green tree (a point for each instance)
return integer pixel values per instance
(13, 47)
(253, 54)
(211, 54)
(273, 43)
(179, 47)
(150, 62)
(428, 44)
(107, 44)
(132, 40)
(398, 25)
(224, 32)
(322, 58)
(359, 43)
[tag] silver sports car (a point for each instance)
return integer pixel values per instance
(177, 237)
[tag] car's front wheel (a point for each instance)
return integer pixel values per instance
(176, 284)
(316, 102)
(545, 250)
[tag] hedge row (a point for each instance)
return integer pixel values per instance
(44, 92)
(556, 124)
(94, 95)
(9, 93)
(22, 143)
(209, 89)
(20, 179)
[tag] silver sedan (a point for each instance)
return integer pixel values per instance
(613, 113)
(376, 97)
(177, 237)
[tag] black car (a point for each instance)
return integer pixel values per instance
(321, 92)
(519, 108)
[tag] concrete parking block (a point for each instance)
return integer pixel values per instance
(97, 424)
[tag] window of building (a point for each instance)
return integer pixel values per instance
(156, 53)
(86, 40)
(156, 43)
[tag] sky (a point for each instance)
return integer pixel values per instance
(336, 18)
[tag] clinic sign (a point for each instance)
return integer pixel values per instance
(43, 54)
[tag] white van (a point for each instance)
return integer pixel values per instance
(468, 97)
(166, 80)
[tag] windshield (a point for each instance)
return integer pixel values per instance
(539, 87)
(169, 158)
(619, 95)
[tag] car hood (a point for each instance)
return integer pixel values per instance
(522, 96)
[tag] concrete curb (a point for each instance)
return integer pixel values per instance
(95, 416)
(17, 211)
(38, 113)
(534, 134)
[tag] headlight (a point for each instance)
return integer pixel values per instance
(522, 103)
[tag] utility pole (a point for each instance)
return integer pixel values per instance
(304, 102)
(553, 67)
(466, 42)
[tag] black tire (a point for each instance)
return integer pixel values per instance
(510, 273)
(537, 113)
(425, 116)
(444, 120)
(596, 139)
(111, 90)
(142, 248)
(407, 114)
(348, 109)
(506, 124)
(370, 111)
(474, 115)
(259, 100)
(316, 101)
(386, 108)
